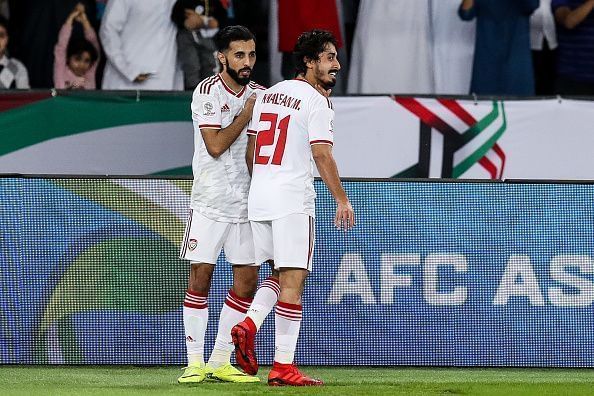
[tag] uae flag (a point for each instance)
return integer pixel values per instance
(454, 137)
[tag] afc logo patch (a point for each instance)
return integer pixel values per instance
(208, 107)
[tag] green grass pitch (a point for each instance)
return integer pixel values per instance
(349, 381)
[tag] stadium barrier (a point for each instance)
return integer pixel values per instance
(436, 273)
(144, 133)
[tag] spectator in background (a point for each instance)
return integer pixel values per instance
(36, 24)
(543, 41)
(75, 61)
(4, 9)
(255, 15)
(392, 48)
(100, 8)
(575, 68)
(138, 38)
(197, 21)
(453, 48)
(298, 16)
(502, 59)
(13, 73)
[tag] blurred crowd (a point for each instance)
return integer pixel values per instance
(484, 47)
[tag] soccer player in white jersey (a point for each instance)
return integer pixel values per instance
(291, 128)
(221, 109)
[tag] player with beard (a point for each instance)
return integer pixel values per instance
(221, 108)
(291, 128)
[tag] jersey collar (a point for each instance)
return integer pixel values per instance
(236, 94)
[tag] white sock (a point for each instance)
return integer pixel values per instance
(232, 313)
(195, 312)
(287, 322)
(264, 300)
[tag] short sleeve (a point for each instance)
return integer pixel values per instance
(320, 128)
(206, 111)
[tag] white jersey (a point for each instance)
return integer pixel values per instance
(221, 185)
(288, 118)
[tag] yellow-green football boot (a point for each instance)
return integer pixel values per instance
(228, 373)
(193, 374)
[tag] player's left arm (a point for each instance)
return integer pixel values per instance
(322, 155)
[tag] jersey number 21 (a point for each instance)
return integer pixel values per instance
(266, 138)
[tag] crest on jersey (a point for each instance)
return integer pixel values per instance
(208, 109)
(192, 244)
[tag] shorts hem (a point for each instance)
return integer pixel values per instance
(200, 260)
(291, 265)
(250, 262)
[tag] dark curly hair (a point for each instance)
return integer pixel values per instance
(77, 46)
(232, 33)
(309, 46)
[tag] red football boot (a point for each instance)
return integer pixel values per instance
(289, 374)
(243, 335)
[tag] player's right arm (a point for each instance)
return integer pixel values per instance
(322, 155)
(249, 154)
(217, 141)
(321, 138)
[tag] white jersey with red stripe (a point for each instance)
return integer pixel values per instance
(221, 185)
(288, 118)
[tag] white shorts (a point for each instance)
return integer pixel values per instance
(204, 238)
(289, 241)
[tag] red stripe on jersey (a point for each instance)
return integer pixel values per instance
(206, 83)
(252, 132)
(213, 126)
(321, 142)
(208, 87)
(256, 85)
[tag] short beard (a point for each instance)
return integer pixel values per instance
(327, 84)
(235, 76)
(330, 84)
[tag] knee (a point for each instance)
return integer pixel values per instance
(245, 285)
(290, 296)
(200, 278)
